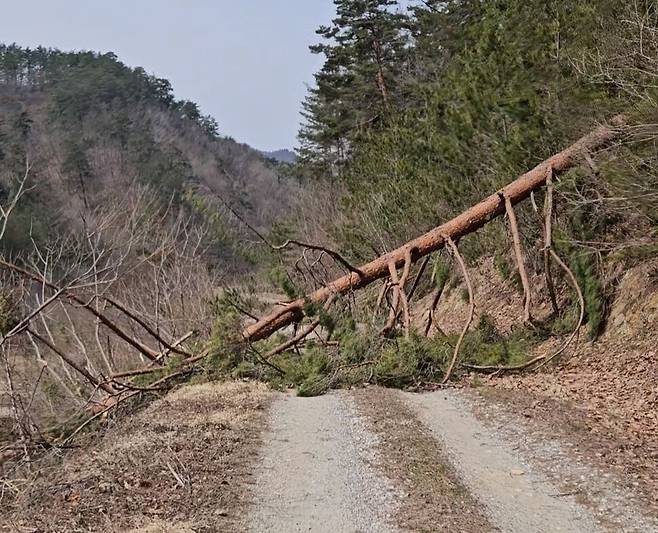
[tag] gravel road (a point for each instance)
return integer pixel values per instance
(518, 499)
(319, 471)
(316, 472)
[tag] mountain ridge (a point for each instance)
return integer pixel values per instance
(283, 155)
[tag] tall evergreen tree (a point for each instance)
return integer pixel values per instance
(364, 51)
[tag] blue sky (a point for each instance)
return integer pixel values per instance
(246, 62)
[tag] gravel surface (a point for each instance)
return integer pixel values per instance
(518, 498)
(615, 506)
(433, 498)
(316, 472)
(379, 461)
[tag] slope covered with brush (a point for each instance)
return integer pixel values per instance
(94, 130)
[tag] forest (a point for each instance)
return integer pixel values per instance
(419, 113)
(139, 246)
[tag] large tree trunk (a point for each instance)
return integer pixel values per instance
(468, 222)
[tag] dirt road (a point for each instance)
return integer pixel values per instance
(234, 456)
(316, 473)
(385, 461)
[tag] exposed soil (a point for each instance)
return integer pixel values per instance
(211, 458)
(528, 480)
(499, 299)
(180, 465)
(603, 398)
(610, 392)
(433, 498)
(373, 459)
(516, 495)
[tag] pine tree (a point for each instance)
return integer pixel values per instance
(364, 49)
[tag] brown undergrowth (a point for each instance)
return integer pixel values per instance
(180, 464)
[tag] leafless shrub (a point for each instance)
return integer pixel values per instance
(129, 289)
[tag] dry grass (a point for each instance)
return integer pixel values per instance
(435, 499)
(180, 464)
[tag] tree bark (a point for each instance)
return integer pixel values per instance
(468, 222)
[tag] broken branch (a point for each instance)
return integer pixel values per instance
(548, 240)
(471, 308)
(520, 260)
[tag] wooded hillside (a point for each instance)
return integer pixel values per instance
(419, 113)
(422, 110)
(94, 130)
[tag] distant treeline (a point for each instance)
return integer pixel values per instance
(83, 79)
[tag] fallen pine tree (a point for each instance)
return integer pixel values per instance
(446, 235)
(470, 221)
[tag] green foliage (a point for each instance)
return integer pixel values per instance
(310, 372)
(406, 361)
(8, 312)
(440, 274)
(77, 167)
(502, 265)
(164, 169)
(398, 363)
(227, 350)
(590, 281)
(362, 355)
(481, 93)
(313, 386)
(566, 321)
(279, 277)
(311, 309)
(174, 363)
(590, 284)
(357, 347)
(85, 81)
(246, 370)
(485, 346)
(355, 86)
(508, 270)
(51, 390)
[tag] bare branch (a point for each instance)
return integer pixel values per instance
(471, 307)
(520, 260)
(147, 328)
(73, 364)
